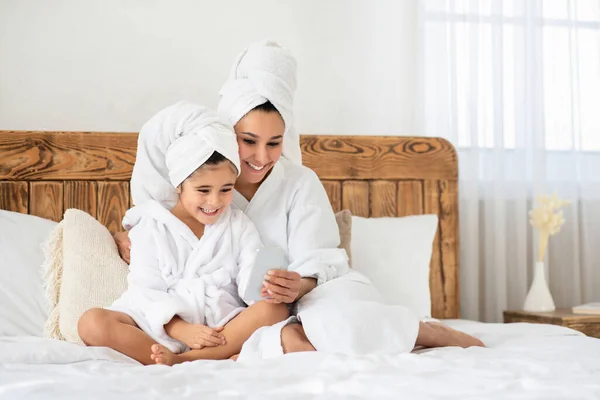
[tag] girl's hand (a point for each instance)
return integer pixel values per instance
(281, 286)
(195, 336)
(124, 245)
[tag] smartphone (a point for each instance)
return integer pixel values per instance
(266, 259)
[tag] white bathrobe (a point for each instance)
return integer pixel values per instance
(345, 313)
(292, 211)
(172, 272)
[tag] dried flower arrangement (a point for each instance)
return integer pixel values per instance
(547, 218)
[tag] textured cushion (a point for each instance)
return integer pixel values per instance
(82, 270)
(395, 253)
(22, 305)
(344, 221)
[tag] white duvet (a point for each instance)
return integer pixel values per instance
(523, 361)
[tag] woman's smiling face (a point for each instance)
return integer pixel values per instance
(260, 136)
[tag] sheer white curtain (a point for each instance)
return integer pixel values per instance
(515, 86)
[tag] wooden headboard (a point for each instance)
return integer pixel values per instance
(44, 173)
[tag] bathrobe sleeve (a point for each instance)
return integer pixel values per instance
(249, 243)
(149, 258)
(313, 234)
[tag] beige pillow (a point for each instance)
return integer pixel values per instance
(344, 221)
(83, 270)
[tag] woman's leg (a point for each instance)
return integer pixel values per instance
(294, 340)
(436, 334)
(100, 327)
(431, 334)
(236, 332)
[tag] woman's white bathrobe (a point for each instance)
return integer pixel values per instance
(291, 211)
(172, 272)
(345, 313)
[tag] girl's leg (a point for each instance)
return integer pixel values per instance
(236, 332)
(100, 327)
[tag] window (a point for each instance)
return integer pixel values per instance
(521, 66)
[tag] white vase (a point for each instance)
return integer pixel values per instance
(539, 298)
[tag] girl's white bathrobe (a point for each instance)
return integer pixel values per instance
(172, 272)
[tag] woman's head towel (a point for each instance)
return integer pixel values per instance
(172, 145)
(263, 72)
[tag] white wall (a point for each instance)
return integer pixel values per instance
(109, 65)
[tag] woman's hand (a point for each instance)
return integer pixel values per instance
(124, 245)
(285, 286)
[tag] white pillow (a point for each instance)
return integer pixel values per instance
(395, 254)
(23, 309)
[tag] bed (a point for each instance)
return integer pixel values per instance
(45, 173)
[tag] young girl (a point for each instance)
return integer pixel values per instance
(192, 261)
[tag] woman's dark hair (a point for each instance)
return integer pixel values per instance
(267, 107)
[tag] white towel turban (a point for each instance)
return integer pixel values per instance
(263, 72)
(189, 152)
(172, 145)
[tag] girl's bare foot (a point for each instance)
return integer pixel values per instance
(163, 356)
(234, 357)
(452, 337)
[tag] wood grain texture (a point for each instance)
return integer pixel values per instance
(586, 323)
(81, 195)
(57, 170)
(355, 197)
(379, 157)
(449, 251)
(46, 200)
(382, 198)
(14, 196)
(334, 192)
(130, 198)
(67, 155)
(436, 272)
(113, 201)
(410, 198)
(110, 156)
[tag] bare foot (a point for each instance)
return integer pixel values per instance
(234, 357)
(163, 356)
(452, 337)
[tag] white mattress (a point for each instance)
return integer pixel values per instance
(522, 361)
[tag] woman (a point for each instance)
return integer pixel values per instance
(291, 210)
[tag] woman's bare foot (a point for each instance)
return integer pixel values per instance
(452, 337)
(436, 334)
(163, 356)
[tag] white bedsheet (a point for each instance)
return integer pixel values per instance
(522, 361)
